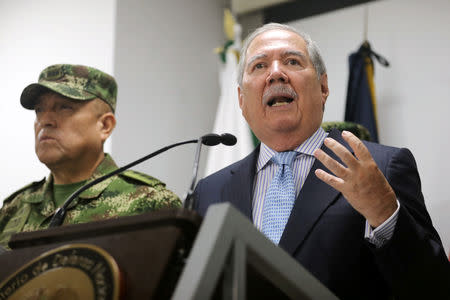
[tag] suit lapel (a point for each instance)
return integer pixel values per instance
(313, 200)
(239, 189)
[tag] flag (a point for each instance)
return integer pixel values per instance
(361, 106)
(229, 117)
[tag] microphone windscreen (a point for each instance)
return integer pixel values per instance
(228, 139)
(211, 139)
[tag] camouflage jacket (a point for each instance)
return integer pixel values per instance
(129, 193)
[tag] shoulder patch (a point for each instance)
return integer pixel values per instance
(28, 186)
(141, 177)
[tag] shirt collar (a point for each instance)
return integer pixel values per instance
(314, 142)
(106, 166)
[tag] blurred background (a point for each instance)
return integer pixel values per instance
(161, 53)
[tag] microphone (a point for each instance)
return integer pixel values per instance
(208, 139)
(211, 139)
(228, 139)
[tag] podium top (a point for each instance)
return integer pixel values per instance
(188, 220)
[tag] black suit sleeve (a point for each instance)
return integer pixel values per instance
(413, 261)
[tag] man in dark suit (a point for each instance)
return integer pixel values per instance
(358, 220)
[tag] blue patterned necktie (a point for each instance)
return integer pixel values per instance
(280, 197)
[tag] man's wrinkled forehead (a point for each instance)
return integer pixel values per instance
(55, 97)
(263, 43)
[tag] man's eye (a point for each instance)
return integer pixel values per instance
(65, 106)
(259, 66)
(293, 62)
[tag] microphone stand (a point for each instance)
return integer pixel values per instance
(189, 199)
(60, 213)
(211, 139)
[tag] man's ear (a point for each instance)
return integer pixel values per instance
(106, 123)
(240, 96)
(324, 88)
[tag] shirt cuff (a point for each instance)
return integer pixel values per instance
(383, 233)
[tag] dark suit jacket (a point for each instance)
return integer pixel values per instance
(326, 235)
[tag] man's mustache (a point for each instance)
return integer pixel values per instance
(278, 91)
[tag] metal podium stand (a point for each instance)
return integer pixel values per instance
(226, 244)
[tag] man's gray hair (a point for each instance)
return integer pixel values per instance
(313, 49)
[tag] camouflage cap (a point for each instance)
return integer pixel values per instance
(73, 81)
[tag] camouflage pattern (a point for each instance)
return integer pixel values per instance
(73, 81)
(360, 131)
(128, 193)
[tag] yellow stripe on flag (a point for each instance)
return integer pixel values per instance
(369, 72)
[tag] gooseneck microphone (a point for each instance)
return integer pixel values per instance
(211, 139)
(208, 139)
(228, 139)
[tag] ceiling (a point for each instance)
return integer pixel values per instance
(245, 6)
(283, 11)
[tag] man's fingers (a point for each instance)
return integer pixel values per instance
(329, 179)
(330, 163)
(346, 156)
(358, 147)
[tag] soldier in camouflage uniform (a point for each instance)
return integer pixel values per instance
(74, 108)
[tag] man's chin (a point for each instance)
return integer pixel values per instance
(49, 159)
(285, 125)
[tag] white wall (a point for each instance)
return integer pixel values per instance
(167, 74)
(34, 35)
(168, 82)
(413, 94)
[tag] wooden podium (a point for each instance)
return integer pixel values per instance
(149, 249)
(174, 254)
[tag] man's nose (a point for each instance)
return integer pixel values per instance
(46, 118)
(277, 74)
